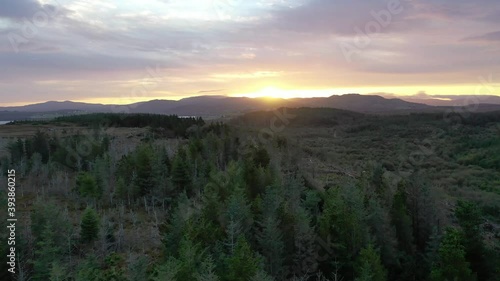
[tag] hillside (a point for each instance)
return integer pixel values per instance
(220, 105)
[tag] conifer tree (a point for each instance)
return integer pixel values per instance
(369, 265)
(181, 176)
(383, 232)
(402, 221)
(87, 186)
(89, 226)
(88, 270)
(470, 219)
(272, 246)
(167, 271)
(451, 263)
(113, 270)
(144, 170)
(207, 271)
(305, 250)
(262, 276)
(58, 272)
(46, 254)
(243, 264)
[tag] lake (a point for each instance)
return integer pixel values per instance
(4, 122)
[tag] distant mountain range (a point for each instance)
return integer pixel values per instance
(218, 106)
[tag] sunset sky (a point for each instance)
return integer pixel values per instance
(127, 51)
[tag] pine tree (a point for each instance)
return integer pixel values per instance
(58, 272)
(46, 254)
(305, 250)
(190, 258)
(45, 213)
(470, 219)
(343, 220)
(41, 145)
(113, 270)
(262, 276)
(207, 271)
(87, 186)
(167, 271)
(242, 264)
(181, 176)
(383, 232)
(121, 190)
(369, 266)
(238, 213)
(101, 175)
(272, 246)
(402, 221)
(451, 263)
(144, 170)
(89, 226)
(88, 270)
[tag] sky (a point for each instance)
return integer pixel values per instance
(126, 51)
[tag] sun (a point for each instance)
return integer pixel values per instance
(270, 92)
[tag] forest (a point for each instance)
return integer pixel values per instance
(325, 195)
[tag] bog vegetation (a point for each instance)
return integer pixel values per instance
(332, 195)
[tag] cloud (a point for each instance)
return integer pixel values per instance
(259, 44)
(490, 36)
(19, 8)
(211, 91)
(28, 9)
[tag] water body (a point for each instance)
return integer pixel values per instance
(4, 122)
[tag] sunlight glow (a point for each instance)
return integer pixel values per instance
(274, 92)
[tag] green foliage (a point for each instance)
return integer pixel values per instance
(207, 271)
(242, 264)
(383, 232)
(262, 276)
(138, 269)
(272, 247)
(46, 254)
(261, 157)
(144, 169)
(89, 226)
(113, 269)
(190, 259)
(238, 216)
(304, 245)
(88, 270)
(87, 186)
(343, 221)
(369, 266)
(168, 122)
(167, 271)
(181, 176)
(231, 209)
(58, 272)
(402, 221)
(451, 263)
(470, 219)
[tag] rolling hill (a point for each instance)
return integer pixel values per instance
(219, 106)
